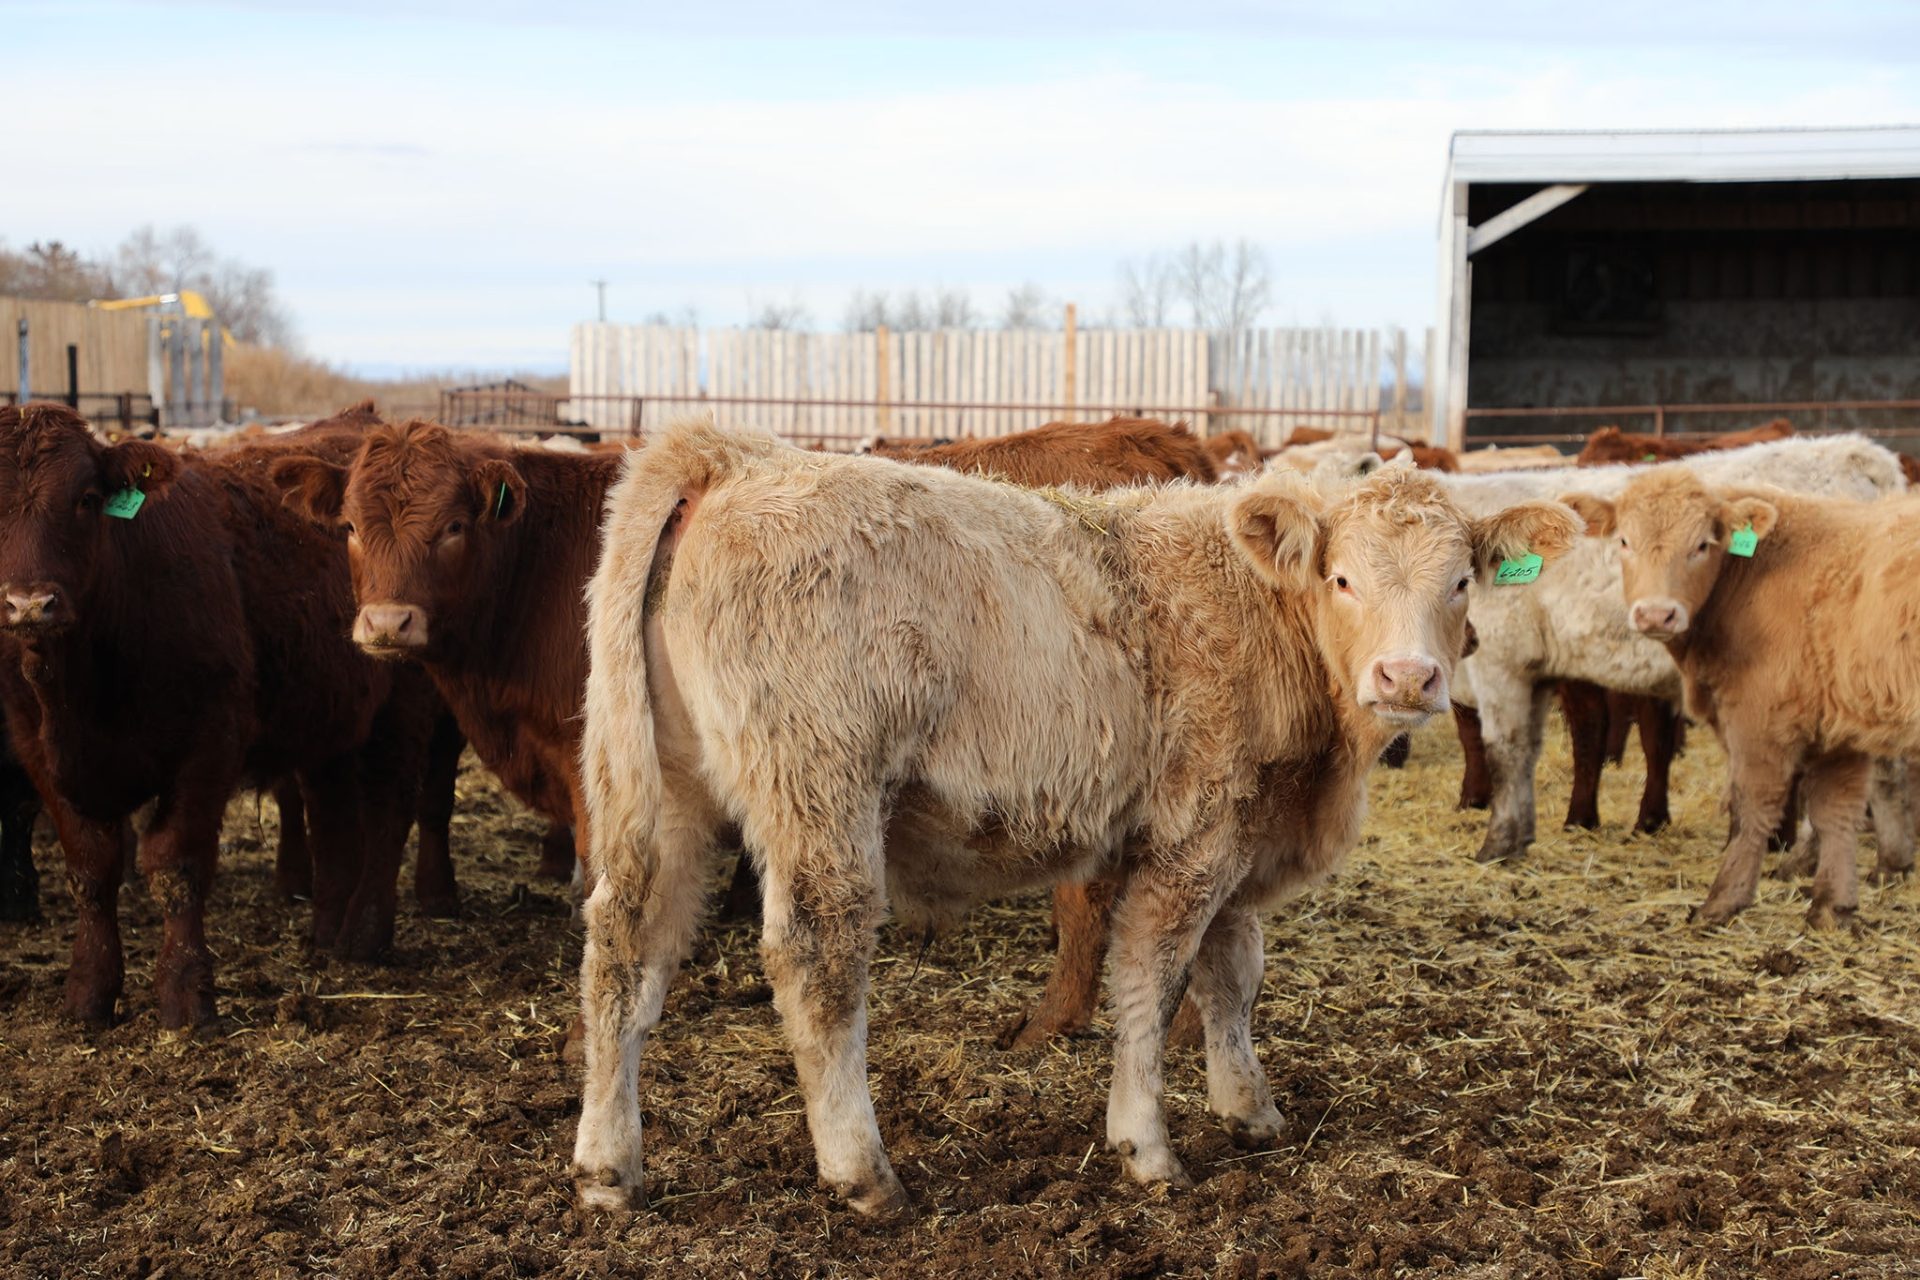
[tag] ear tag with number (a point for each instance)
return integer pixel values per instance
(125, 504)
(1514, 572)
(1743, 542)
(1649, 458)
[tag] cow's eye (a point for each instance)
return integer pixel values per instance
(1623, 544)
(1462, 584)
(455, 529)
(1701, 549)
(351, 531)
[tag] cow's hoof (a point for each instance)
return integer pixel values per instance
(881, 1197)
(439, 906)
(1890, 874)
(1500, 852)
(89, 1009)
(1266, 1128)
(604, 1191)
(183, 1011)
(1154, 1166)
(1823, 915)
(1648, 823)
(1715, 911)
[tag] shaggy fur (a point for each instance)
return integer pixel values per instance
(1140, 448)
(1799, 657)
(914, 689)
(1572, 625)
(1610, 444)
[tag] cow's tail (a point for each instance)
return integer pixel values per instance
(620, 761)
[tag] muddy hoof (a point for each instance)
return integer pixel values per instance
(1710, 913)
(1823, 916)
(883, 1198)
(604, 1192)
(1157, 1167)
(1491, 852)
(1253, 1133)
(89, 1009)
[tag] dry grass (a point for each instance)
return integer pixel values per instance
(276, 383)
(1493, 1072)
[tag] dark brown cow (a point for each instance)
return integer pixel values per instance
(171, 634)
(1089, 454)
(1120, 451)
(470, 557)
(19, 806)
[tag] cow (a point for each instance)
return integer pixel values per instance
(1144, 447)
(1234, 453)
(19, 807)
(1119, 452)
(1610, 444)
(171, 634)
(915, 688)
(468, 557)
(1788, 616)
(1573, 625)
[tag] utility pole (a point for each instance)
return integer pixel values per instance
(601, 287)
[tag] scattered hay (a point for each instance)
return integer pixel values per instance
(1493, 1072)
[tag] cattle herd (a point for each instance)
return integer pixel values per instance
(1150, 670)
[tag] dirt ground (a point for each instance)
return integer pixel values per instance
(1543, 1071)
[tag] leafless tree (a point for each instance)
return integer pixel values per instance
(910, 312)
(1148, 289)
(687, 317)
(150, 261)
(54, 272)
(1028, 307)
(782, 317)
(1226, 286)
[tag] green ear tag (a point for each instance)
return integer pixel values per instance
(1650, 458)
(1514, 572)
(500, 501)
(125, 504)
(1743, 542)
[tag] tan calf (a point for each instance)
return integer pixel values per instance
(1799, 654)
(916, 689)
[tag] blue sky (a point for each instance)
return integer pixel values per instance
(434, 183)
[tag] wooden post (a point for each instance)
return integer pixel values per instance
(73, 377)
(1067, 370)
(883, 380)
(217, 369)
(24, 387)
(1400, 381)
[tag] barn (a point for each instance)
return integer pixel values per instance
(1678, 282)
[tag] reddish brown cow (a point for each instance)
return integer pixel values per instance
(171, 634)
(19, 806)
(1090, 454)
(1234, 453)
(1611, 444)
(470, 558)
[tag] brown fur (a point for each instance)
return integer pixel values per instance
(1609, 445)
(1234, 453)
(1089, 454)
(1797, 657)
(192, 649)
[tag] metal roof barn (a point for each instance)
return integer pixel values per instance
(1683, 281)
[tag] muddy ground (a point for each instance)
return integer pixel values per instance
(1493, 1072)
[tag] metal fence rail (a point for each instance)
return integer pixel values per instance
(1658, 415)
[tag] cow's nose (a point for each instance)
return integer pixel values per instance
(1658, 617)
(390, 626)
(1406, 680)
(32, 607)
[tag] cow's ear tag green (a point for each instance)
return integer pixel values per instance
(1514, 572)
(1650, 458)
(126, 504)
(1743, 542)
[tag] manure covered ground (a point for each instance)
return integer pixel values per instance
(1540, 1071)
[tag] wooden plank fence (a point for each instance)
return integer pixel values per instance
(988, 382)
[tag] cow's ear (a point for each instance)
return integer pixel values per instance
(138, 464)
(314, 487)
(1280, 534)
(1544, 529)
(1742, 512)
(1597, 512)
(500, 494)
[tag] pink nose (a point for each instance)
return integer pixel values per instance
(1406, 680)
(390, 626)
(32, 607)
(1658, 617)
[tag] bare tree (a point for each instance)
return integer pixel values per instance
(1226, 286)
(54, 272)
(909, 312)
(866, 312)
(1028, 307)
(687, 317)
(1148, 288)
(782, 317)
(242, 297)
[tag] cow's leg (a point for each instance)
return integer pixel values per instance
(641, 918)
(1659, 736)
(822, 908)
(1513, 711)
(1395, 756)
(1225, 982)
(1760, 778)
(1476, 789)
(1082, 916)
(96, 855)
(1623, 709)
(1800, 842)
(1892, 801)
(557, 856)
(742, 900)
(293, 860)
(436, 890)
(1836, 787)
(1158, 924)
(1585, 708)
(335, 829)
(178, 854)
(391, 763)
(19, 879)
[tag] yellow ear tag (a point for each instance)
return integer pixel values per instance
(1743, 542)
(1514, 572)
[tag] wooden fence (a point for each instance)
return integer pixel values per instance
(110, 349)
(987, 382)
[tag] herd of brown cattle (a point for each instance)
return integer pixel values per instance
(337, 612)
